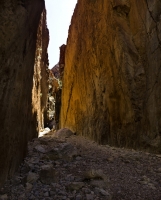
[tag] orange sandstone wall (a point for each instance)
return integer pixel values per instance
(112, 77)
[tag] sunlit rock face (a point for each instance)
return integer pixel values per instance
(19, 21)
(41, 74)
(53, 89)
(112, 76)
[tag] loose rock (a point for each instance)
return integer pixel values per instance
(76, 168)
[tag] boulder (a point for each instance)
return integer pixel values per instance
(48, 174)
(63, 133)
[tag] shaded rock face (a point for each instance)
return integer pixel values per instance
(55, 71)
(59, 92)
(62, 60)
(112, 78)
(58, 71)
(18, 36)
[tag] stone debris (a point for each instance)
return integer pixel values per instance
(74, 168)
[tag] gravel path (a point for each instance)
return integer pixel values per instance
(75, 168)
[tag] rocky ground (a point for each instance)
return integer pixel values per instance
(64, 167)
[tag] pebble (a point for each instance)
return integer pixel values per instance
(159, 170)
(78, 197)
(29, 186)
(52, 193)
(86, 190)
(41, 148)
(32, 177)
(89, 197)
(103, 192)
(78, 158)
(46, 194)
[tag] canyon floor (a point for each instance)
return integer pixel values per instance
(66, 168)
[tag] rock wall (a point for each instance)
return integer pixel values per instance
(112, 77)
(41, 74)
(55, 71)
(53, 88)
(19, 22)
(58, 71)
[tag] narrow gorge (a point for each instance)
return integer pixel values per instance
(109, 87)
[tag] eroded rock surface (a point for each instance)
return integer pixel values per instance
(112, 81)
(58, 71)
(41, 77)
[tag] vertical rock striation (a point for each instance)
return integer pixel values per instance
(112, 77)
(53, 88)
(19, 21)
(41, 74)
(58, 71)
